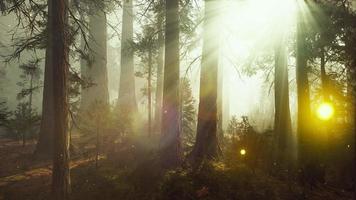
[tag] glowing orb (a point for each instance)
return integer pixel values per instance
(325, 111)
(242, 152)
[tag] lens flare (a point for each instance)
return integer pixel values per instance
(325, 111)
(242, 152)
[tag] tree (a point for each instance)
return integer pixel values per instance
(58, 48)
(96, 125)
(306, 157)
(220, 107)
(25, 116)
(127, 97)
(282, 118)
(23, 122)
(30, 80)
(187, 115)
(96, 70)
(206, 144)
(171, 143)
(4, 114)
(160, 62)
(147, 49)
(44, 145)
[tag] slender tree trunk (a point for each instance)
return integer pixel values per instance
(206, 145)
(84, 40)
(159, 87)
(29, 129)
(282, 118)
(352, 106)
(149, 95)
(127, 96)
(97, 147)
(44, 147)
(58, 46)
(354, 168)
(24, 138)
(220, 102)
(31, 94)
(306, 156)
(97, 68)
(324, 77)
(171, 142)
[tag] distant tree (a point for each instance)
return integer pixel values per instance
(171, 142)
(187, 115)
(306, 155)
(24, 122)
(282, 117)
(96, 69)
(30, 81)
(147, 47)
(127, 97)
(4, 114)
(96, 123)
(206, 144)
(233, 127)
(159, 11)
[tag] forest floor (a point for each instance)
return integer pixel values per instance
(139, 177)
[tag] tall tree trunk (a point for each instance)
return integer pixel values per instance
(206, 144)
(97, 68)
(58, 46)
(305, 137)
(282, 118)
(44, 147)
(127, 96)
(149, 95)
(352, 115)
(354, 127)
(31, 94)
(220, 102)
(84, 94)
(324, 77)
(159, 86)
(171, 142)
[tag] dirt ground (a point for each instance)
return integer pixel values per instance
(22, 177)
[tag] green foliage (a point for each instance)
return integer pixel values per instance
(24, 122)
(188, 115)
(30, 79)
(216, 181)
(99, 126)
(239, 135)
(5, 114)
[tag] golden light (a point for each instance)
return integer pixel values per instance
(242, 152)
(325, 111)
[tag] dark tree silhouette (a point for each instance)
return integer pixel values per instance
(58, 46)
(171, 143)
(127, 96)
(206, 145)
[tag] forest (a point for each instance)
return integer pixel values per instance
(178, 99)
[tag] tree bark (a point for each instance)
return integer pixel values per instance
(171, 143)
(220, 109)
(282, 118)
(305, 137)
(127, 96)
(149, 95)
(206, 144)
(58, 46)
(97, 66)
(44, 147)
(159, 86)
(323, 75)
